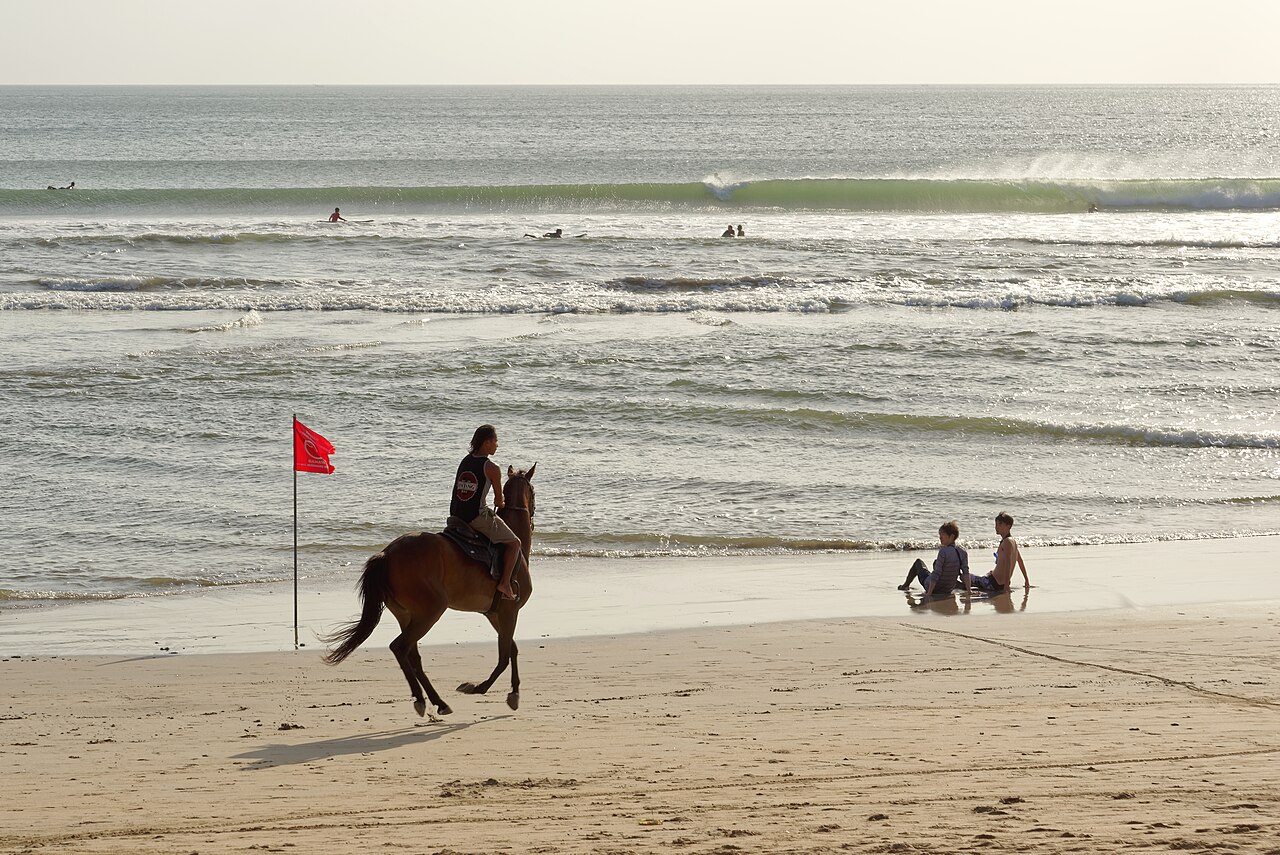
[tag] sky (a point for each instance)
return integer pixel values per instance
(327, 42)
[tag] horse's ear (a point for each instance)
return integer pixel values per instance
(510, 471)
(529, 475)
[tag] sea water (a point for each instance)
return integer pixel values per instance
(923, 321)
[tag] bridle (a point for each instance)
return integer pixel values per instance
(529, 489)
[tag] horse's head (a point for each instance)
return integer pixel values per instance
(518, 491)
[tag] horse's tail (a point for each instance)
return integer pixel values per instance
(374, 589)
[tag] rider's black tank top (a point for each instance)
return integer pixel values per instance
(470, 486)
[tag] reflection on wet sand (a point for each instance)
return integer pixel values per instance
(1003, 603)
(961, 603)
(944, 605)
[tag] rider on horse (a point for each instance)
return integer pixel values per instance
(476, 473)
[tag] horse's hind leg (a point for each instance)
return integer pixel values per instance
(405, 648)
(441, 707)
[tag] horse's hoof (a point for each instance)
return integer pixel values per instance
(513, 700)
(467, 688)
(420, 707)
(444, 709)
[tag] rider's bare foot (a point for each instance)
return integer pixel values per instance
(506, 592)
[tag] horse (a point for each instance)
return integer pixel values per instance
(417, 577)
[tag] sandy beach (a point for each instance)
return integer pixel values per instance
(926, 730)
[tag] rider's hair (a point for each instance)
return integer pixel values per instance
(483, 434)
(951, 527)
(1004, 518)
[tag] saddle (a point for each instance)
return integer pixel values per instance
(475, 545)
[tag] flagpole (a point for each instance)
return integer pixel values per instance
(294, 467)
(310, 454)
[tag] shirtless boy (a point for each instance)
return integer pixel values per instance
(1007, 557)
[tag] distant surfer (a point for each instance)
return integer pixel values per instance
(336, 216)
(1093, 207)
(728, 231)
(558, 233)
(70, 186)
(741, 233)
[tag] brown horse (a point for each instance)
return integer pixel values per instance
(418, 576)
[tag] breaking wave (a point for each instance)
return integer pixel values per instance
(638, 294)
(801, 194)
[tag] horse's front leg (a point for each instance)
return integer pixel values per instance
(513, 697)
(512, 654)
(506, 627)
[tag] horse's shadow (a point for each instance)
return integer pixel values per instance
(269, 756)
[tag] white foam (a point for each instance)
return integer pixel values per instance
(250, 319)
(114, 283)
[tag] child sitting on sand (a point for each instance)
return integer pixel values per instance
(997, 581)
(951, 563)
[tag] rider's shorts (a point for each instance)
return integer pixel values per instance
(491, 526)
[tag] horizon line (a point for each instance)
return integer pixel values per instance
(738, 85)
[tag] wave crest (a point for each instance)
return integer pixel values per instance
(954, 195)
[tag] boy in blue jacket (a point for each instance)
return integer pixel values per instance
(952, 563)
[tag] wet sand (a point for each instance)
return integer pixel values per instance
(582, 596)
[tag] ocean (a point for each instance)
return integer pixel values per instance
(924, 321)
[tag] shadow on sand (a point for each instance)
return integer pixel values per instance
(269, 756)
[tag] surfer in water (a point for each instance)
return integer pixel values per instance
(336, 216)
(741, 233)
(556, 234)
(70, 186)
(728, 231)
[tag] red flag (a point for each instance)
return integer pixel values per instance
(310, 450)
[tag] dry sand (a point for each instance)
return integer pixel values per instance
(1072, 732)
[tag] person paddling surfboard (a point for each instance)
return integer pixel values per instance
(558, 233)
